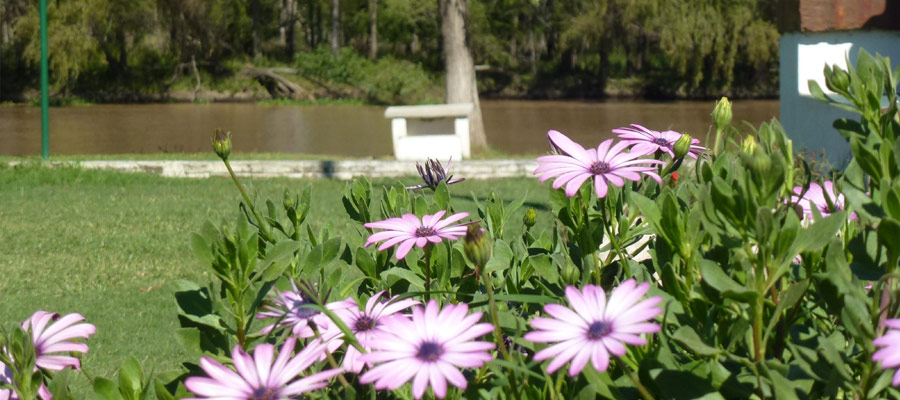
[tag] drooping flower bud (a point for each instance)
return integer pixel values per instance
(529, 218)
(477, 246)
(682, 146)
(222, 143)
(722, 113)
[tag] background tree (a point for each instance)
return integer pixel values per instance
(460, 69)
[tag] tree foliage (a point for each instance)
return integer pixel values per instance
(537, 48)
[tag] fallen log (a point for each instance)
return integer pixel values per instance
(278, 86)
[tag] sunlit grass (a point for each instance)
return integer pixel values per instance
(109, 245)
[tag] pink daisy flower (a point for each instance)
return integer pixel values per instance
(53, 336)
(409, 230)
(6, 377)
(607, 164)
(367, 325)
(889, 354)
(288, 308)
(594, 328)
(647, 141)
(429, 349)
(815, 198)
(258, 377)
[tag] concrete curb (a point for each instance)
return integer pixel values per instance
(335, 169)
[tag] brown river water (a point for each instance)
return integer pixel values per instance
(515, 127)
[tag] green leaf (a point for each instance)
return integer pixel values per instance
(691, 341)
(714, 276)
(202, 249)
(786, 300)
(161, 392)
(819, 233)
(365, 262)
(889, 233)
(131, 379)
(867, 159)
(106, 389)
(544, 268)
(441, 196)
(404, 274)
(816, 91)
(190, 340)
(278, 258)
(501, 257)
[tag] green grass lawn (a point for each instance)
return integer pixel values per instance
(108, 245)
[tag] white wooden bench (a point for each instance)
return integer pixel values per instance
(438, 131)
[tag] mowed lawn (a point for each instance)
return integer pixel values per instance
(109, 245)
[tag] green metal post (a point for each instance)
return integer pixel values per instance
(45, 93)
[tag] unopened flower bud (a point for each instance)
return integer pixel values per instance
(722, 113)
(571, 275)
(289, 201)
(838, 80)
(477, 246)
(748, 146)
(682, 146)
(222, 143)
(529, 218)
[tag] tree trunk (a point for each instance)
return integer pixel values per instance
(460, 69)
(373, 29)
(335, 26)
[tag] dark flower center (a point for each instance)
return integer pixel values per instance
(303, 312)
(600, 168)
(364, 323)
(429, 351)
(661, 142)
(598, 330)
(263, 394)
(424, 231)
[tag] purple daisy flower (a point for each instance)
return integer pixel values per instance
(367, 325)
(258, 377)
(50, 339)
(647, 141)
(607, 164)
(889, 354)
(6, 377)
(594, 328)
(288, 308)
(815, 197)
(409, 230)
(428, 348)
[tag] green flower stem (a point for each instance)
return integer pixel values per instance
(330, 358)
(589, 246)
(498, 333)
(637, 383)
(262, 224)
(427, 272)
